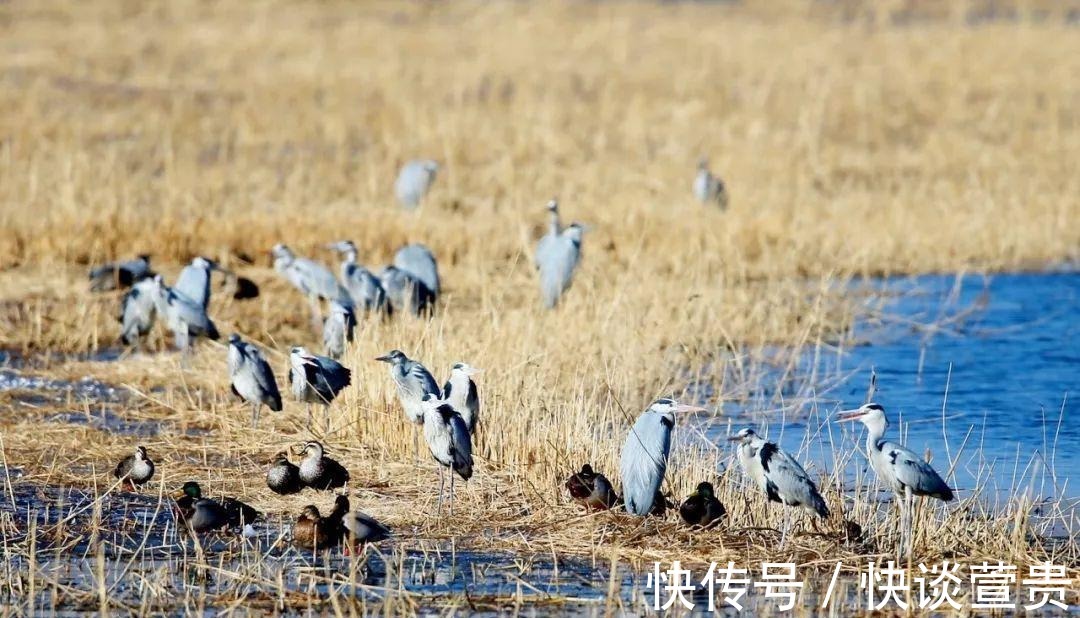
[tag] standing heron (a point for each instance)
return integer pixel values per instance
(552, 236)
(186, 318)
(120, 274)
(135, 469)
(417, 260)
(777, 474)
(448, 439)
(460, 392)
(313, 279)
(137, 312)
(898, 467)
(413, 382)
(645, 454)
(709, 188)
(338, 329)
(557, 263)
(406, 293)
(251, 378)
(363, 286)
(316, 379)
(194, 281)
(414, 180)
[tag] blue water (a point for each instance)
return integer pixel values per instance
(983, 369)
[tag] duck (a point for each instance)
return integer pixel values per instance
(701, 508)
(660, 504)
(311, 530)
(135, 469)
(320, 472)
(283, 476)
(355, 528)
(203, 514)
(591, 489)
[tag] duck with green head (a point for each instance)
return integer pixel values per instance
(203, 514)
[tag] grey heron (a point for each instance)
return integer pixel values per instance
(313, 279)
(898, 467)
(645, 454)
(702, 508)
(552, 235)
(363, 286)
(406, 293)
(137, 312)
(413, 382)
(417, 260)
(356, 527)
(414, 180)
(120, 274)
(591, 489)
(557, 264)
(338, 329)
(194, 281)
(251, 378)
(709, 188)
(779, 476)
(316, 379)
(318, 471)
(186, 318)
(283, 476)
(449, 441)
(135, 469)
(460, 391)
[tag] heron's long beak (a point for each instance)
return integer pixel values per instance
(682, 407)
(384, 359)
(849, 415)
(734, 439)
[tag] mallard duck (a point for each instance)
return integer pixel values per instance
(311, 530)
(283, 477)
(135, 469)
(240, 514)
(202, 514)
(702, 508)
(320, 472)
(591, 489)
(355, 528)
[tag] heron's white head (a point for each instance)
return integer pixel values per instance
(703, 164)
(668, 407)
(745, 436)
(431, 167)
(574, 231)
(340, 309)
(870, 414)
(299, 356)
(281, 252)
(342, 246)
(464, 369)
(394, 357)
(203, 263)
(553, 206)
(235, 340)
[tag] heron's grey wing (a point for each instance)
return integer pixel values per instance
(412, 183)
(422, 378)
(235, 358)
(914, 472)
(264, 375)
(333, 374)
(784, 476)
(190, 313)
(472, 401)
(557, 268)
(460, 446)
(417, 260)
(194, 283)
(644, 461)
(542, 247)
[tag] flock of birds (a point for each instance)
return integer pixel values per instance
(448, 415)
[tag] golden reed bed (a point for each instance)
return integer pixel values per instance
(851, 145)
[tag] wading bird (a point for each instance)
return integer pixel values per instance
(413, 382)
(313, 279)
(449, 441)
(311, 531)
(316, 379)
(417, 260)
(591, 489)
(414, 180)
(135, 469)
(120, 274)
(363, 286)
(338, 329)
(899, 468)
(137, 312)
(460, 392)
(283, 476)
(776, 473)
(406, 293)
(186, 318)
(557, 264)
(358, 528)
(552, 236)
(251, 378)
(194, 281)
(318, 471)
(701, 508)
(709, 188)
(645, 454)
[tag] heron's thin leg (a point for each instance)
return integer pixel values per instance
(255, 415)
(416, 446)
(440, 489)
(451, 493)
(787, 523)
(909, 530)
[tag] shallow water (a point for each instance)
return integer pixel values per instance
(984, 371)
